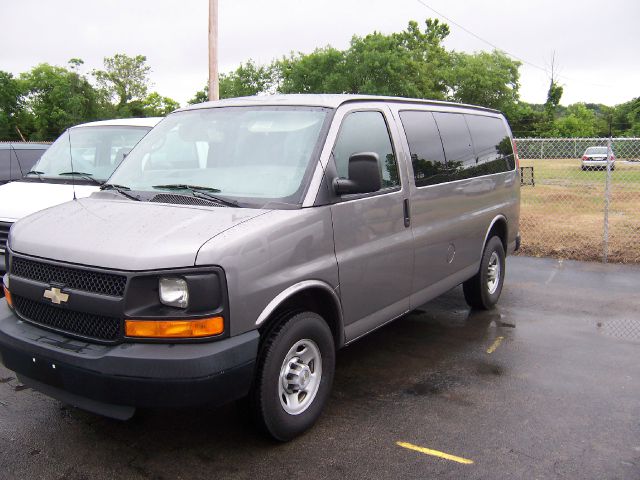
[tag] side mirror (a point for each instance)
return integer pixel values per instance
(364, 175)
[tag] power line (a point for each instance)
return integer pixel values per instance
(495, 47)
(492, 45)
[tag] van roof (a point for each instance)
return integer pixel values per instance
(123, 122)
(24, 145)
(321, 100)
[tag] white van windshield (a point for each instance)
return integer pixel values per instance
(250, 154)
(93, 152)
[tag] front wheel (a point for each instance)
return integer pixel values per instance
(483, 290)
(294, 375)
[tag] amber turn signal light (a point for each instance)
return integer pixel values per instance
(202, 327)
(7, 296)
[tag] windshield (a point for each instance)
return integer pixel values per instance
(249, 154)
(96, 151)
(596, 151)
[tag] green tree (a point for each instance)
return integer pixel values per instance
(625, 118)
(248, 79)
(633, 116)
(124, 79)
(155, 105)
(10, 106)
(56, 98)
(411, 63)
(200, 96)
(525, 118)
(488, 79)
(322, 71)
(578, 121)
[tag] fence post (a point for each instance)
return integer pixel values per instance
(607, 199)
(575, 148)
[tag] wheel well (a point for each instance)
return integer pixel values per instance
(316, 300)
(499, 229)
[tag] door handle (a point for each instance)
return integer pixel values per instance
(407, 215)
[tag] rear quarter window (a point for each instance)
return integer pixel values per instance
(492, 145)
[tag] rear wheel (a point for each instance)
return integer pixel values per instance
(294, 375)
(483, 290)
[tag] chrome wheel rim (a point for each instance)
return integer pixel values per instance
(300, 376)
(493, 273)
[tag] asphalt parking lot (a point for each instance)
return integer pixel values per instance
(545, 386)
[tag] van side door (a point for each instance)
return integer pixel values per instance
(436, 228)
(373, 240)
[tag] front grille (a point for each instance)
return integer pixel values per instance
(87, 280)
(86, 325)
(185, 200)
(4, 234)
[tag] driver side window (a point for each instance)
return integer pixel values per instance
(366, 132)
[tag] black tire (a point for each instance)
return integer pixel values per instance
(267, 408)
(476, 290)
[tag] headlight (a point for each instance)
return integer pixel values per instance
(174, 292)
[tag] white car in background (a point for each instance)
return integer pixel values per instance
(596, 157)
(81, 159)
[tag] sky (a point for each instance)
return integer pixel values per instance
(595, 43)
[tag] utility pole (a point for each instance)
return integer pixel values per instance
(214, 85)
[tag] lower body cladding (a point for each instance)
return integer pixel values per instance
(114, 380)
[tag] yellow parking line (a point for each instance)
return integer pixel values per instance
(495, 345)
(435, 453)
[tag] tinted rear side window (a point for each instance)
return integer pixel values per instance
(492, 145)
(28, 158)
(425, 147)
(9, 166)
(456, 140)
(5, 174)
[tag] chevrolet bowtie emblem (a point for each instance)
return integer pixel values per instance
(56, 296)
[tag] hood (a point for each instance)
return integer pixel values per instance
(19, 199)
(124, 235)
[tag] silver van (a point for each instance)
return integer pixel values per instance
(242, 242)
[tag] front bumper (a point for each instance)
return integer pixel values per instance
(102, 378)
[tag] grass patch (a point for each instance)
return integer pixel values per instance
(563, 214)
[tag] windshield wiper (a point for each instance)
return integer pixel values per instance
(184, 186)
(198, 191)
(36, 172)
(120, 189)
(88, 176)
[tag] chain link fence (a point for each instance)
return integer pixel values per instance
(580, 198)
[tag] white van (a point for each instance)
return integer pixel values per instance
(82, 158)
